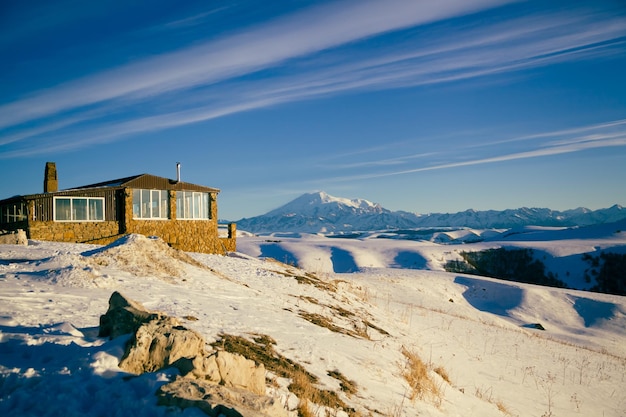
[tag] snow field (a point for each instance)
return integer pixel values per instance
(476, 330)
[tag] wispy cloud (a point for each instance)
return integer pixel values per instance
(601, 136)
(194, 20)
(399, 160)
(267, 45)
(310, 57)
(615, 125)
(492, 48)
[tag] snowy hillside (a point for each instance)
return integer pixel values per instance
(562, 250)
(478, 338)
(322, 213)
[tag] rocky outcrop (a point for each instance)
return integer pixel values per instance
(159, 344)
(217, 382)
(216, 400)
(241, 373)
(124, 316)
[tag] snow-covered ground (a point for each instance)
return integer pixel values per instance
(479, 331)
(560, 249)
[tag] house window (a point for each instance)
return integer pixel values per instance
(151, 204)
(75, 209)
(12, 213)
(193, 205)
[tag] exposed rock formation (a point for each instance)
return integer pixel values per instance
(217, 382)
(158, 344)
(239, 372)
(216, 400)
(124, 316)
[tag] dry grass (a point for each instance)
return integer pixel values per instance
(308, 278)
(304, 410)
(261, 350)
(347, 386)
(503, 408)
(323, 321)
(441, 371)
(415, 372)
(302, 386)
(303, 383)
(359, 326)
(486, 394)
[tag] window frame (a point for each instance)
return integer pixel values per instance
(156, 207)
(87, 209)
(193, 205)
(13, 213)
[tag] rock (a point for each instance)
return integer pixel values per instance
(159, 344)
(205, 367)
(219, 383)
(228, 369)
(215, 400)
(238, 372)
(124, 316)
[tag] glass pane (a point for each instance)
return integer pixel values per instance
(154, 204)
(165, 204)
(188, 205)
(180, 204)
(145, 204)
(205, 205)
(136, 203)
(79, 209)
(197, 205)
(62, 209)
(8, 214)
(96, 209)
(18, 213)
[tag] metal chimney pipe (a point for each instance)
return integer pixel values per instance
(177, 171)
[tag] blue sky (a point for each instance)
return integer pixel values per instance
(424, 106)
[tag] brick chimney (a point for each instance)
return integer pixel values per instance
(50, 182)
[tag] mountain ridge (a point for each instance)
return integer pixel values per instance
(320, 212)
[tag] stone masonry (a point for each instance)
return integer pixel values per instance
(187, 235)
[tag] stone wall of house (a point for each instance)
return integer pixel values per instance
(230, 242)
(99, 233)
(187, 235)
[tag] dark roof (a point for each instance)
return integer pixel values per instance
(112, 183)
(150, 182)
(145, 181)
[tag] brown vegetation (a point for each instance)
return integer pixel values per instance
(303, 384)
(415, 372)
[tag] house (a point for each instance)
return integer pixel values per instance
(182, 214)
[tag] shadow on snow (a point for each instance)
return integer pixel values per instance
(492, 297)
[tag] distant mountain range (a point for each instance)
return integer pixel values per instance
(323, 213)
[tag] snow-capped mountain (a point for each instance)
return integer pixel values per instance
(322, 213)
(324, 204)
